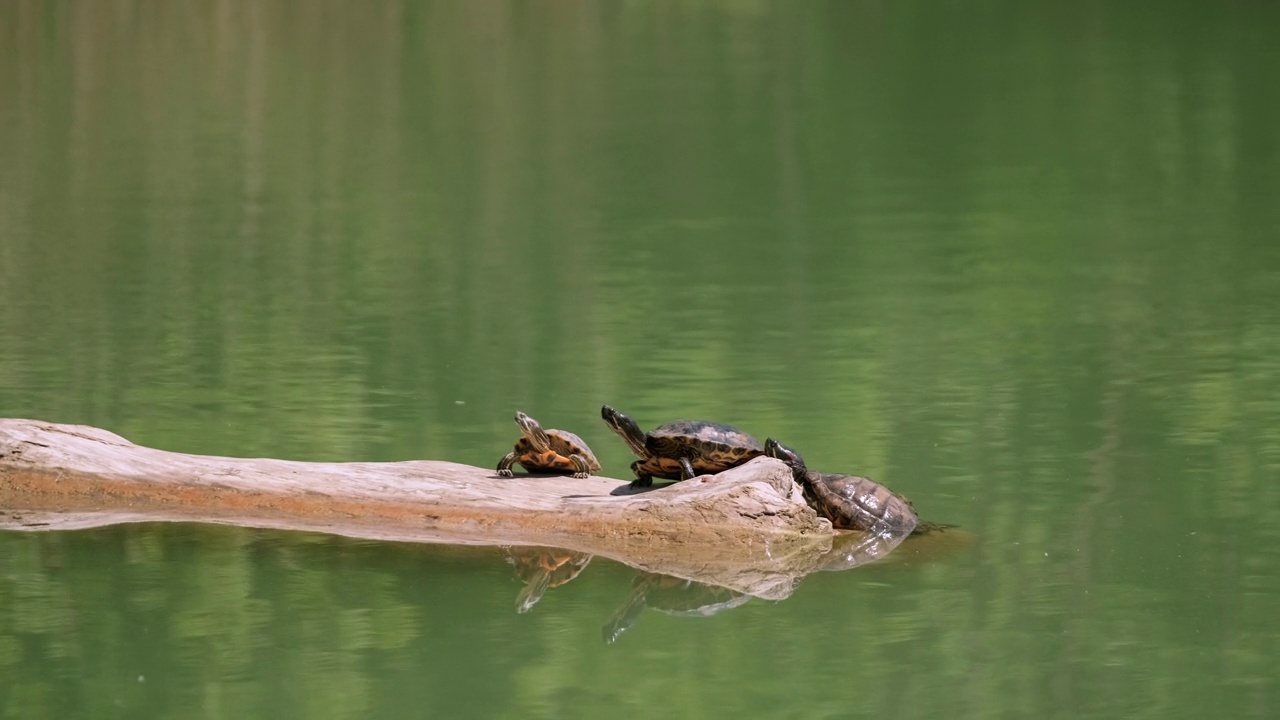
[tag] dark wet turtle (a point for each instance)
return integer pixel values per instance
(682, 449)
(670, 595)
(542, 568)
(548, 451)
(848, 501)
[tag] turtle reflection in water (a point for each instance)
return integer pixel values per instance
(542, 568)
(548, 451)
(682, 449)
(850, 502)
(670, 595)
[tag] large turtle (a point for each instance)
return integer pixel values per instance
(682, 449)
(848, 501)
(548, 451)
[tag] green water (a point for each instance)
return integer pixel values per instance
(1020, 262)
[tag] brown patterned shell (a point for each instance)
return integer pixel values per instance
(563, 445)
(851, 502)
(548, 451)
(710, 447)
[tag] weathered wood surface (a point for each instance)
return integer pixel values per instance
(748, 528)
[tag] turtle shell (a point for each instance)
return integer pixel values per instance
(548, 451)
(851, 502)
(556, 460)
(710, 447)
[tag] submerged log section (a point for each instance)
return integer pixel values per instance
(70, 476)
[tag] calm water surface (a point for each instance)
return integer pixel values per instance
(1020, 263)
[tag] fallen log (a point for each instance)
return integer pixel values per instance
(748, 529)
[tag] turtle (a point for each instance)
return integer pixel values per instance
(682, 449)
(670, 595)
(542, 568)
(548, 451)
(850, 502)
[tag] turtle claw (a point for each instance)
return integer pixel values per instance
(581, 470)
(505, 473)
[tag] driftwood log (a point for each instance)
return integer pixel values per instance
(748, 529)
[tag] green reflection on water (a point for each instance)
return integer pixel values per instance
(1017, 262)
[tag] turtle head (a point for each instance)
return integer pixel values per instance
(532, 430)
(626, 429)
(778, 451)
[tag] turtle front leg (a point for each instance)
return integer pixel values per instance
(504, 465)
(686, 469)
(643, 479)
(581, 470)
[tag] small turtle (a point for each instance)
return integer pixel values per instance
(548, 451)
(682, 449)
(542, 568)
(848, 501)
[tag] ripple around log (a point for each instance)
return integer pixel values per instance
(747, 529)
